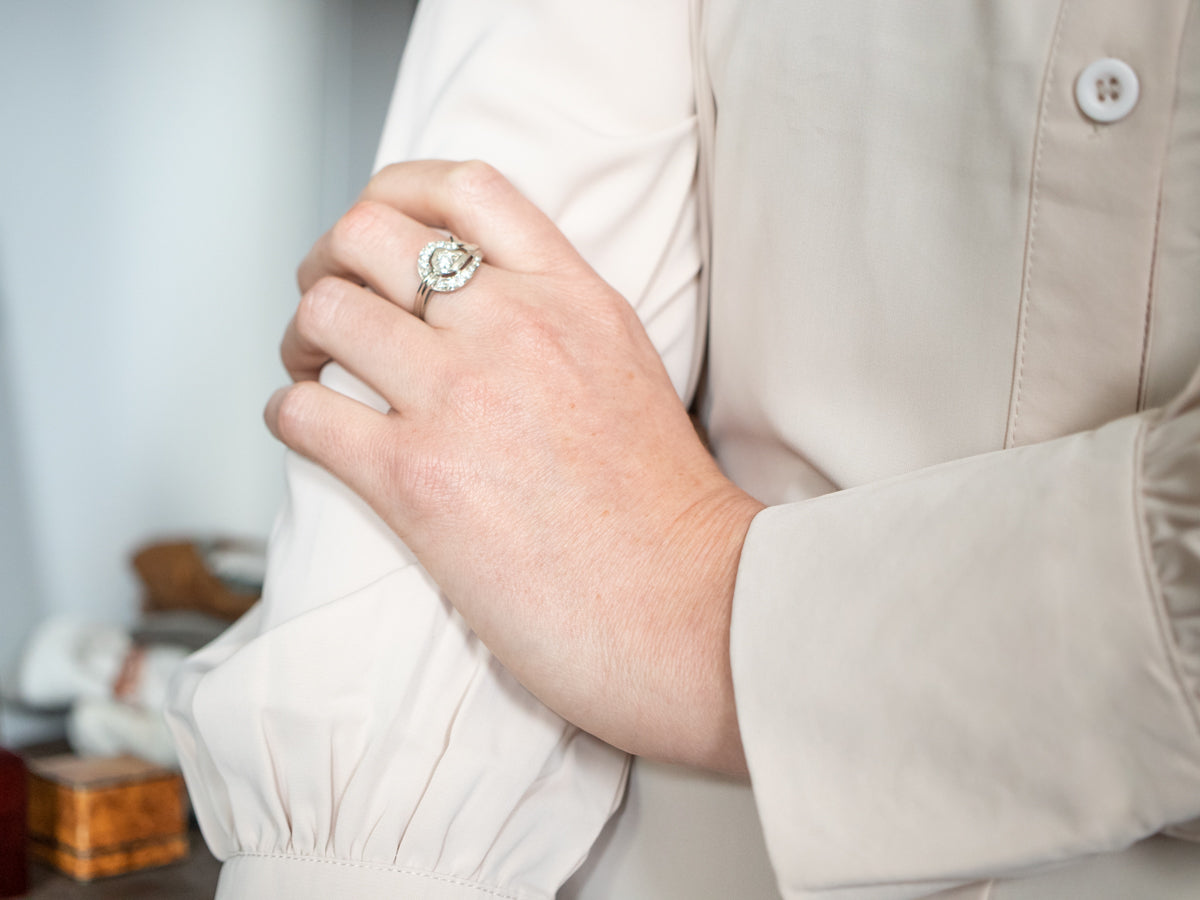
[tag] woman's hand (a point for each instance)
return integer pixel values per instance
(536, 458)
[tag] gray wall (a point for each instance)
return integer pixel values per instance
(163, 167)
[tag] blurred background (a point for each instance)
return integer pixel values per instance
(164, 165)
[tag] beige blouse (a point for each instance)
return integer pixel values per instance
(950, 256)
(954, 255)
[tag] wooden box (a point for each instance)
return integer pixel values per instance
(95, 817)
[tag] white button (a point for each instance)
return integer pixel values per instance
(1107, 90)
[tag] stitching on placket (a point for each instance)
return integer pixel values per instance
(1010, 438)
(1148, 334)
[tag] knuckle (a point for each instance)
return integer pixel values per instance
(379, 186)
(295, 411)
(610, 316)
(356, 227)
(475, 180)
(617, 316)
(318, 308)
(383, 176)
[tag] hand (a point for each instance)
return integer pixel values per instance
(536, 458)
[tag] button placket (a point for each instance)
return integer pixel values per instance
(1093, 211)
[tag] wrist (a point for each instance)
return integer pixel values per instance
(689, 715)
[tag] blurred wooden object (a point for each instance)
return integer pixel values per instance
(91, 818)
(204, 576)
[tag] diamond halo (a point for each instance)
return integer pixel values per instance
(446, 266)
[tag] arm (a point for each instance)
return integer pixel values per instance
(621, 628)
(353, 717)
(982, 668)
(650, 499)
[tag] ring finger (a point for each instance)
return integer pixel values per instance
(374, 245)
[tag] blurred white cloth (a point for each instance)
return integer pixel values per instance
(67, 658)
(114, 689)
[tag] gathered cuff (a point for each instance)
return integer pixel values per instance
(1171, 507)
(249, 876)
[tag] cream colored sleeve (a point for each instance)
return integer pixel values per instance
(984, 668)
(350, 736)
(589, 109)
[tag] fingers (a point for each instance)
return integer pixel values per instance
(477, 204)
(372, 244)
(346, 437)
(386, 348)
(377, 244)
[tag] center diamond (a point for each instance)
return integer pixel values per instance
(445, 262)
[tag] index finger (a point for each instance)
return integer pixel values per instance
(477, 204)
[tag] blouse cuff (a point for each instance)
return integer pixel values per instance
(249, 876)
(962, 673)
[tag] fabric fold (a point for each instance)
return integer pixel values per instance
(1171, 505)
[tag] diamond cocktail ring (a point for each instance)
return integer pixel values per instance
(444, 266)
